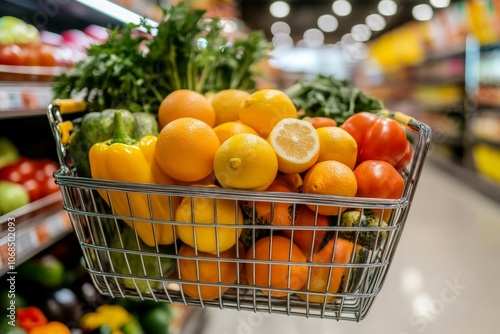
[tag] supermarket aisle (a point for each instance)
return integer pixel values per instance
(444, 279)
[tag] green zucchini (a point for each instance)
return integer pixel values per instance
(366, 239)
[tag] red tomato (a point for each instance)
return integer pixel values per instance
(22, 170)
(11, 55)
(378, 179)
(406, 157)
(50, 186)
(378, 138)
(46, 54)
(31, 57)
(46, 167)
(34, 189)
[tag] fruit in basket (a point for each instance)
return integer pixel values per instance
(379, 179)
(367, 239)
(227, 104)
(96, 127)
(263, 109)
(337, 144)
(330, 178)
(245, 161)
(198, 270)
(186, 103)
(328, 278)
(131, 264)
(186, 148)
(309, 240)
(107, 160)
(269, 212)
(378, 138)
(216, 223)
(320, 122)
(296, 144)
(270, 276)
(226, 130)
(12, 196)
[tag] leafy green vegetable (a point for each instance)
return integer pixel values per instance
(328, 97)
(186, 51)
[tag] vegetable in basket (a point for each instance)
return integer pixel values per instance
(99, 126)
(122, 261)
(129, 160)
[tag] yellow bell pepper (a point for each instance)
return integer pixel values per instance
(128, 160)
(114, 316)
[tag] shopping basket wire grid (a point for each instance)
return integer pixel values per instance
(124, 266)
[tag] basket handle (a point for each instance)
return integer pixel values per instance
(62, 129)
(402, 118)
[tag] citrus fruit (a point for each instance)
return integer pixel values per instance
(207, 271)
(227, 103)
(330, 178)
(185, 103)
(245, 161)
(319, 121)
(215, 228)
(272, 275)
(328, 278)
(185, 149)
(229, 129)
(296, 144)
(291, 181)
(337, 144)
(263, 109)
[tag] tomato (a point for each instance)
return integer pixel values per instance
(378, 138)
(22, 170)
(405, 160)
(31, 57)
(46, 54)
(378, 179)
(50, 186)
(11, 55)
(34, 189)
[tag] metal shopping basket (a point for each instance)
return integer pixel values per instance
(123, 266)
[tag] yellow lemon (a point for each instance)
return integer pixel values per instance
(337, 144)
(227, 104)
(296, 144)
(245, 161)
(229, 129)
(210, 235)
(263, 109)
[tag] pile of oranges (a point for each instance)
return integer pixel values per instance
(237, 140)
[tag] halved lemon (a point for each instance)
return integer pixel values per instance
(296, 144)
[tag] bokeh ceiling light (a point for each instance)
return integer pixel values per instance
(314, 37)
(422, 12)
(279, 9)
(387, 7)
(341, 7)
(328, 23)
(361, 32)
(440, 3)
(282, 40)
(280, 27)
(375, 22)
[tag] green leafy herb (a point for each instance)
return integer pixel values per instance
(187, 51)
(328, 97)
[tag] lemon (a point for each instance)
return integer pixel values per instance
(296, 144)
(229, 129)
(263, 109)
(209, 238)
(227, 103)
(245, 161)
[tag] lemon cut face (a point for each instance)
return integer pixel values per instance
(296, 143)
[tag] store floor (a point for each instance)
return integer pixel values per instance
(445, 276)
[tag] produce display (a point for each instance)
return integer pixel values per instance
(23, 180)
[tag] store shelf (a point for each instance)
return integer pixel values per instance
(22, 99)
(468, 176)
(31, 228)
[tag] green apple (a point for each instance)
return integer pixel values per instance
(8, 152)
(12, 196)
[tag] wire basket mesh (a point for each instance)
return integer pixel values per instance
(135, 250)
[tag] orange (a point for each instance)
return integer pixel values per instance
(337, 144)
(330, 178)
(227, 104)
(329, 277)
(307, 240)
(296, 144)
(207, 271)
(270, 275)
(291, 181)
(185, 103)
(185, 149)
(263, 109)
(245, 161)
(229, 129)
